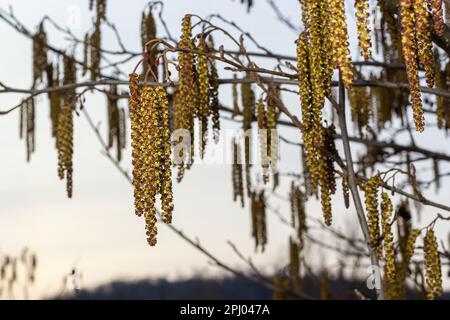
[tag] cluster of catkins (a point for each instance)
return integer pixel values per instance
(197, 92)
(151, 152)
(418, 48)
(322, 47)
(382, 241)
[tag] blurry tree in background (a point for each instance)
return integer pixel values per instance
(398, 87)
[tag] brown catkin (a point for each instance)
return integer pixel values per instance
(237, 175)
(39, 54)
(373, 219)
(213, 93)
(410, 56)
(423, 40)
(388, 238)
(148, 33)
(362, 24)
(435, 7)
(294, 264)
(433, 273)
(258, 217)
(297, 200)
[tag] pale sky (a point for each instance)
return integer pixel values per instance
(97, 230)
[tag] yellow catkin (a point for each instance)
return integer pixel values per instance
(423, 39)
(64, 131)
(409, 44)
(433, 273)
(202, 107)
(373, 219)
(186, 88)
(388, 238)
(339, 41)
(362, 24)
(137, 117)
(165, 151)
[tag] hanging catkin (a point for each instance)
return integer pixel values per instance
(388, 238)
(262, 137)
(64, 131)
(237, 174)
(39, 54)
(148, 33)
(258, 217)
(373, 216)
(116, 127)
(202, 103)
(423, 40)
(362, 24)
(433, 273)
(360, 107)
(339, 41)
(234, 91)
(186, 89)
(213, 92)
(150, 134)
(294, 264)
(410, 46)
(297, 200)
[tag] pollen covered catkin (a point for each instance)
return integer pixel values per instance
(362, 24)
(410, 46)
(423, 40)
(388, 238)
(373, 215)
(151, 153)
(237, 174)
(202, 103)
(433, 273)
(339, 41)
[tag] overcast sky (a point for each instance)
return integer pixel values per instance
(97, 231)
